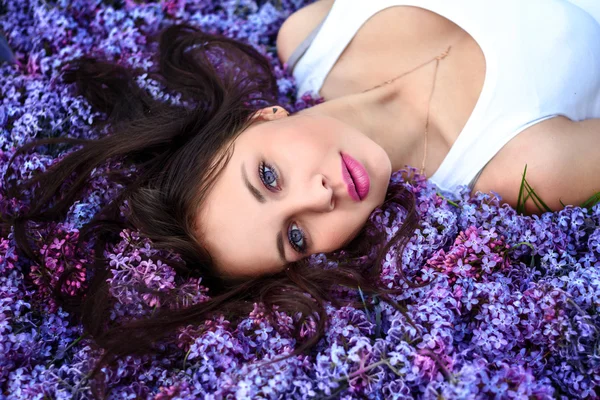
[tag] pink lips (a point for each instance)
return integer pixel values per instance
(356, 177)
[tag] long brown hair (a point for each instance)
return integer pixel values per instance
(171, 146)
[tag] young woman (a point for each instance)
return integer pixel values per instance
(465, 90)
(468, 91)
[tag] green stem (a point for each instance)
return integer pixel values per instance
(507, 251)
(364, 303)
(76, 341)
(186, 357)
(68, 348)
(448, 200)
(439, 363)
(390, 366)
(362, 371)
(592, 201)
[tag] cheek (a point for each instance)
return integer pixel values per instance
(337, 229)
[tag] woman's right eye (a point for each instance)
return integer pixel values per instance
(268, 176)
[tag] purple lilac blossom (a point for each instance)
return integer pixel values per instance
(509, 306)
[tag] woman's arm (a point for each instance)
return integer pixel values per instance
(299, 25)
(563, 165)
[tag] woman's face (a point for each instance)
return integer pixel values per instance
(282, 195)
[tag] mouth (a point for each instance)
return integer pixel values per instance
(356, 178)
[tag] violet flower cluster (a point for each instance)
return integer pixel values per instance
(497, 305)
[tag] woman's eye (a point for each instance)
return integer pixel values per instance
(296, 238)
(268, 176)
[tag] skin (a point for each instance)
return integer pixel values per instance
(304, 149)
(240, 233)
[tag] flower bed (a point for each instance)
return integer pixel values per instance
(509, 307)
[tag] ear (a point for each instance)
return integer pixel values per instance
(270, 113)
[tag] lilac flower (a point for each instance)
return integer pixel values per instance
(509, 307)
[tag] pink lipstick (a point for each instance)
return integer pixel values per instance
(356, 177)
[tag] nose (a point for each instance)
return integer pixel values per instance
(316, 196)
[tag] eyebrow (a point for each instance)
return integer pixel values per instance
(280, 247)
(255, 192)
(261, 199)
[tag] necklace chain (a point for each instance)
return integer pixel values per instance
(437, 60)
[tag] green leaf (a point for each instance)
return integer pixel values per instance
(377, 318)
(520, 201)
(592, 201)
(363, 301)
(562, 204)
(525, 187)
(537, 200)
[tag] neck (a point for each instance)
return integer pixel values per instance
(385, 117)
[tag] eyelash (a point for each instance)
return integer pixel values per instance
(261, 173)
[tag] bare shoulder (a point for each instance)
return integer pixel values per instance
(299, 25)
(561, 157)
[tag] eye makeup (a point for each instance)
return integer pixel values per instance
(296, 234)
(270, 179)
(268, 176)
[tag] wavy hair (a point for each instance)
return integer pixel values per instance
(171, 146)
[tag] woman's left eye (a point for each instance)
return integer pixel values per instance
(297, 239)
(268, 176)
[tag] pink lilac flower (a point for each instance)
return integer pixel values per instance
(509, 306)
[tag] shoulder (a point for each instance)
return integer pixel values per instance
(299, 25)
(554, 151)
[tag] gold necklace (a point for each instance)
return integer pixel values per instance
(437, 60)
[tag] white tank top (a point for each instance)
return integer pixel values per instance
(542, 60)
